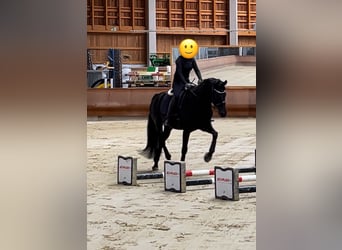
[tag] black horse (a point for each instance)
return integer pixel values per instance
(195, 112)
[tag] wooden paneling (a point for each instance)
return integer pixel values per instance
(192, 14)
(133, 46)
(246, 14)
(162, 13)
(165, 42)
(99, 13)
(221, 14)
(170, 14)
(139, 18)
(113, 12)
(116, 15)
(123, 24)
(177, 14)
(247, 40)
(207, 14)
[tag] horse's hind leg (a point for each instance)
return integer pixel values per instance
(157, 153)
(213, 132)
(163, 135)
(158, 144)
(166, 134)
(156, 159)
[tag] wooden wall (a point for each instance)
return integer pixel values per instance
(133, 46)
(192, 14)
(123, 14)
(165, 42)
(246, 14)
(123, 24)
(134, 102)
(246, 22)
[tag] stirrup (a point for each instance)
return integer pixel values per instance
(167, 122)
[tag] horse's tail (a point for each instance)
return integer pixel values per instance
(152, 135)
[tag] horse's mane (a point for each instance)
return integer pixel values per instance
(208, 82)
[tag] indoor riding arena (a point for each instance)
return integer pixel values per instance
(131, 57)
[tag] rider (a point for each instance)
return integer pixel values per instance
(188, 49)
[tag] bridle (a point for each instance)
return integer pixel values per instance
(220, 93)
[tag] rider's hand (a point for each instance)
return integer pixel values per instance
(189, 85)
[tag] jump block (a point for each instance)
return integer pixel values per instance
(227, 184)
(174, 176)
(127, 170)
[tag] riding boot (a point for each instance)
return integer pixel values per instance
(172, 111)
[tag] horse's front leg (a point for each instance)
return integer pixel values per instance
(186, 135)
(213, 132)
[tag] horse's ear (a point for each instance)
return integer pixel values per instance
(224, 83)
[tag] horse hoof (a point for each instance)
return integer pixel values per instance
(207, 157)
(155, 168)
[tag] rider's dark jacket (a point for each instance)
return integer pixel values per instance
(181, 76)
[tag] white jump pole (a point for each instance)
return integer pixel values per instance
(195, 182)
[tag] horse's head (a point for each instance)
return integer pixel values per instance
(219, 96)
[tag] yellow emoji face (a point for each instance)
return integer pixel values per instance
(188, 48)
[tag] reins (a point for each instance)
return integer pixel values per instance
(191, 90)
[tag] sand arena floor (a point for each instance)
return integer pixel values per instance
(147, 217)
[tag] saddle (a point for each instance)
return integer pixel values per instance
(174, 105)
(188, 89)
